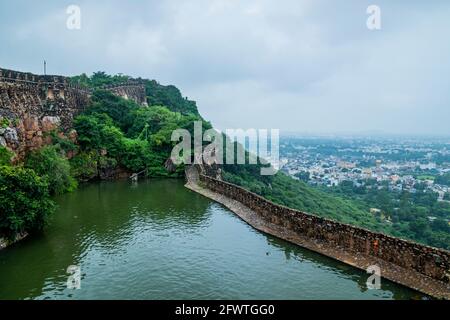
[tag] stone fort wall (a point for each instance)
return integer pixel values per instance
(31, 105)
(429, 261)
(26, 94)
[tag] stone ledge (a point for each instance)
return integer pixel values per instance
(6, 243)
(392, 272)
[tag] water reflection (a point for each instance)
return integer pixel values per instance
(292, 251)
(158, 240)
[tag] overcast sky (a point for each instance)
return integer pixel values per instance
(307, 66)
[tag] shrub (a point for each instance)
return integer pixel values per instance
(4, 122)
(62, 142)
(88, 129)
(5, 156)
(118, 109)
(49, 163)
(169, 96)
(24, 201)
(97, 132)
(106, 163)
(136, 137)
(84, 166)
(135, 155)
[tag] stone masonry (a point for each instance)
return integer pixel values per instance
(417, 266)
(31, 105)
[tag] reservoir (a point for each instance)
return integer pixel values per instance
(158, 240)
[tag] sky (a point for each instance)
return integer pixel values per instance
(307, 66)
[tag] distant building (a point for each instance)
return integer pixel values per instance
(375, 211)
(428, 166)
(346, 165)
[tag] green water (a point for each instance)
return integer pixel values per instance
(158, 240)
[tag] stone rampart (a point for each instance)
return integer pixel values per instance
(428, 261)
(31, 105)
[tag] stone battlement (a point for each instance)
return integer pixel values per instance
(132, 89)
(24, 78)
(17, 77)
(418, 266)
(33, 104)
(24, 95)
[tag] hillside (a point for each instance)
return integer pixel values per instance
(157, 94)
(295, 194)
(115, 137)
(110, 137)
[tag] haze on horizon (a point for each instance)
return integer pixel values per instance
(301, 66)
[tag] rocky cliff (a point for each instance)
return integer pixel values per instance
(31, 105)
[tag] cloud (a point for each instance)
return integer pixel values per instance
(309, 66)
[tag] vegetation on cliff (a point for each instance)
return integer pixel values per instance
(169, 96)
(157, 94)
(24, 201)
(5, 156)
(122, 134)
(51, 164)
(113, 136)
(98, 79)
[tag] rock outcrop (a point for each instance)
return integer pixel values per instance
(33, 105)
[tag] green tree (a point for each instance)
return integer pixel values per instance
(84, 166)
(120, 110)
(419, 227)
(440, 225)
(170, 97)
(24, 201)
(5, 156)
(50, 164)
(443, 179)
(303, 175)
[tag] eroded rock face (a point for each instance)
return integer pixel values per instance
(31, 124)
(170, 166)
(33, 105)
(31, 133)
(50, 123)
(11, 136)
